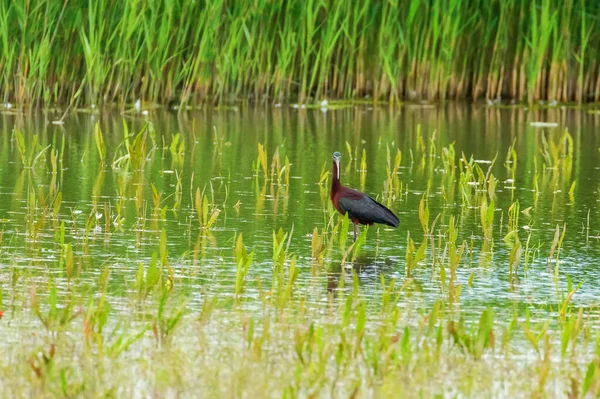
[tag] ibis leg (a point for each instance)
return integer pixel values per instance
(354, 226)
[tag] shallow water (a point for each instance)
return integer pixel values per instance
(220, 151)
(219, 158)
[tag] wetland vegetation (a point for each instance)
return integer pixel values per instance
(166, 228)
(171, 255)
(195, 52)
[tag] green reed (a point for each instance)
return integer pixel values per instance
(180, 52)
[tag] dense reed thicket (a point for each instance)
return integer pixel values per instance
(221, 51)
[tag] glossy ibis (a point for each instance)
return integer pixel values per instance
(360, 207)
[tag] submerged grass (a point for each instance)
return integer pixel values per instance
(182, 52)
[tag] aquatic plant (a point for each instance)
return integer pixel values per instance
(243, 261)
(100, 279)
(100, 144)
(217, 52)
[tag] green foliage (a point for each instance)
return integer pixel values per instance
(206, 220)
(413, 255)
(476, 340)
(60, 309)
(343, 236)
(100, 144)
(166, 319)
(243, 261)
(308, 50)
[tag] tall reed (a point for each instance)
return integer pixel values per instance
(217, 51)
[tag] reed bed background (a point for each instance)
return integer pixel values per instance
(183, 52)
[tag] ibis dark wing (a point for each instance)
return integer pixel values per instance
(368, 211)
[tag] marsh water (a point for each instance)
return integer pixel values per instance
(219, 158)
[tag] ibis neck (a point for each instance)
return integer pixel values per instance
(335, 181)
